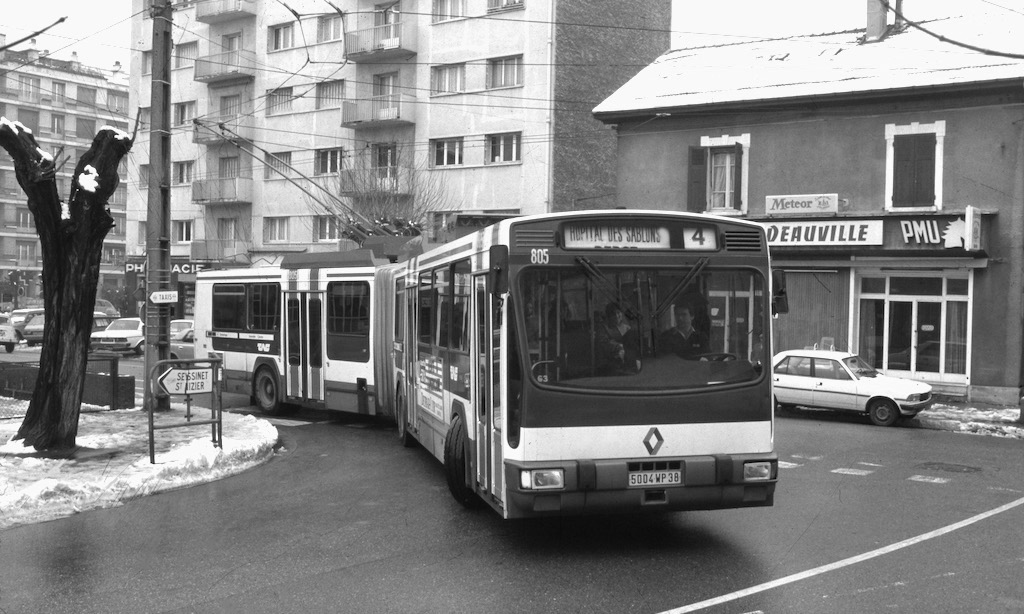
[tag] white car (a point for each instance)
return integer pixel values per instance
(122, 335)
(841, 380)
(8, 336)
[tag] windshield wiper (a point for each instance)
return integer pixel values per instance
(683, 284)
(607, 288)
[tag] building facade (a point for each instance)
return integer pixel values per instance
(288, 121)
(891, 188)
(64, 103)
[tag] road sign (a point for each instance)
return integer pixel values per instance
(187, 381)
(162, 297)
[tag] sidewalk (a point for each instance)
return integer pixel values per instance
(974, 418)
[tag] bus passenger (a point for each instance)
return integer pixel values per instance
(616, 341)
(683, 339)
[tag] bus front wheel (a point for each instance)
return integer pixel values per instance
(455, 464)
(402, 420)
(265, 394)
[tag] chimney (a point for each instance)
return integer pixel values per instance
(3, 43)
(33, 52)
(877, 25)
(117, 67)
(75, 64)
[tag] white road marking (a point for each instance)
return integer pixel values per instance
(788, 465)
(845, 471)
(869, 464)
(860, 558)
(806, 457)
(929, 479)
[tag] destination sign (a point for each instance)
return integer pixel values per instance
(614, 236)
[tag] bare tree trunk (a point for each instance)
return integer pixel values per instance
(72, 246)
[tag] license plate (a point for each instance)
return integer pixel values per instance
(645, 479)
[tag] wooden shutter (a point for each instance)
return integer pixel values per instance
(697, 180)
(914, 170)
(737, 179)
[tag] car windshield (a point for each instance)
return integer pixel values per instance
(179, 326)
(858, 366)
(123, 325)
(653, 329)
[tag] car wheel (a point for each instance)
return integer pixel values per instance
(139, 350)
(265, 394)
(782, 407)
(9, 347)
(883, 412)
(455, 464)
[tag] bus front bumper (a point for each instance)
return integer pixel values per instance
(603, 486)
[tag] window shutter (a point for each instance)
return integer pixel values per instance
(697, 180)
(924, 170)
(914, 170)
(737, 180)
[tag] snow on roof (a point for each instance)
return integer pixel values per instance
(824, 65)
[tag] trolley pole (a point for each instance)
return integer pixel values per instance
(158, 234)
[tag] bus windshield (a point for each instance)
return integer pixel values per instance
(653, 329)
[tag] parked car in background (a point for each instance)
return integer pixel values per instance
(122, 335)
(33, 332)
(107, 308)
(21, 317)
(181, 335)
(8, 336)
(842, 381)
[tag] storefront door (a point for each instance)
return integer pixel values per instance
(915, 329)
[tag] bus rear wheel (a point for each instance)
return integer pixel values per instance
(455, 464)
(265, 393)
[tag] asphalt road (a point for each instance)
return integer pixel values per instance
(344, 519)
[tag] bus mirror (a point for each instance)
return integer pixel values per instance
(780, 301)
(497, 277)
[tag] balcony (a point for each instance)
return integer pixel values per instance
(215, 250)
(209, 134)
(219, 11)
(226, 67)
(381, 43)
(222, 191)
(376, 180)
(379, 111)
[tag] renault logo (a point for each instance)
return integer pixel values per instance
(653, 441)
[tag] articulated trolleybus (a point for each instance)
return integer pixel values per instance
(585, 362)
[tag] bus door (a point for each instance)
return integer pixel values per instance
(304, 375)
(486, 393)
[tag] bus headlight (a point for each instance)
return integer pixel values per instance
(757, 471)
(541, 479)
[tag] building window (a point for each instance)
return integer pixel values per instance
(181, 231)
(85, 128)
(717, 177)
(56, 124)
(140, 237)
(147, 62)
(60, 92)
(26, 252)
(143, 175)
(277, 165)
(503, 147)
(446, 152)
(328, 28)
(330, 94)
(327, 161)
(448, 9)
(25, 219)
(275, 229)
(282, 37)
(182, 172)
(913, 171)
(87, 96)
(279, 101)
(30, 119)
(226, 228)
(145, 118)
(505, 72)
(29, 88)
(184, 112)
(117, 102)
(327, 228)
(228, 167)
(448, 79)
(494, 5)
(185, 54)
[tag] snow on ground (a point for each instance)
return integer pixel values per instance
(979, 420)
(112, 464)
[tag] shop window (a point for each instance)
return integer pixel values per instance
(913, 174)
(920, 286)
(717, 178)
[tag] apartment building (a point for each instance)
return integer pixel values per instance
(289, 116)
(64, 103)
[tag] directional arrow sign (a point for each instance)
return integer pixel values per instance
(187, 381)
(163, 297)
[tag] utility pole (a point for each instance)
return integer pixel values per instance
(158, 212)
